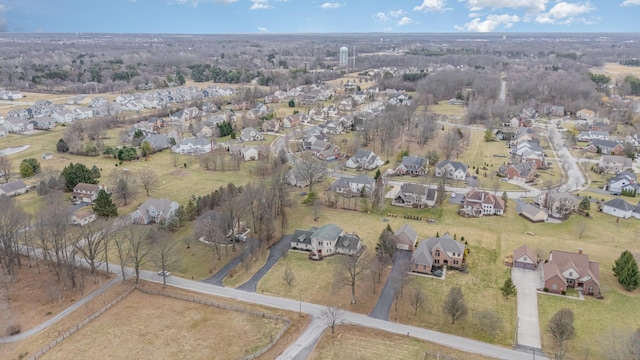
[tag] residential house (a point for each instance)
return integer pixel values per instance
(593, 135)
(326, 240)
(353, 186)
(525, 258)
(566, 269)
(612, 164)
(411, 165)
(294, 178)
(556, 110)
(532, 213)
(205, 131)
(250, 153)
(405, 238)
(634, 139)
(332, 127)
(345, 105)
(330, 152)
(17, 125)
(479, 203)
(250, 134)
(291, 121)
(623, 181)
(451, 170)
(86, 193)
(619, 208)
(155, 210)
(606, 147)
(415, 195)
(13, 188)
(193, 146)
(364, 159)
(559, 205)
(158, 142)
(586, 114)
(82, 113)
(43, 123)
(272, 125)
(83, 216)
(436, 252)
(523, 171)
(64, 116)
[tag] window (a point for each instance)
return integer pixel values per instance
(424, 267)
(437, 252)
(570, 273)
(320, 243)
(437, 261)
(554, 287)
(455, 262)
(590, 288)
(524, 258)
(569, 281)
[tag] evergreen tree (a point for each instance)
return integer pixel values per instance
(62, 146)
(191, 211)
(96, 172)
(626, 270)
(104, 205)
(585, 204)
(29, 167)
(508, 288)
(77, 173)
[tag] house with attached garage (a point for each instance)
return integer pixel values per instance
(17, 125)
(436, 252)
(294, 178)
(43, 123)
(354, 186)
(606, 147)
(566, 269)
(451, 170)
(478, 203)
(364, 159)
(623, 181)
(250, 134)
(83, 216)
(619, 208)
(86, 193)
(524, 172)
(612, 164)
(64, 116)
(525, 258)
(559, 205)
(415, 195)
(532, 213)
(411, 165)
(13, 188)
(155, 210)
(193, 146)
(325, 241)
(405, 238)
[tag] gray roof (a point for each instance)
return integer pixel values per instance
(625, 175)
(327, 232)
(362, 179)
(412, 160)
(12, 186)
(603, 143)
(160, 205)
(422, 255)
(158, 141)
(195, 141)
(619, 204)
(302, 237)
(455, 164)
(406, 231)
(349, 242)
(414, 189)
(362, 154)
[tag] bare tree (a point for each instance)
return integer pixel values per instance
(165, 255)
(310, 170)
(123, 255)
(91, 247)
(489, 321)
(289, 277)
(454, 305)
(12, 220)
(352, 269)
(450, 143)
(581, 228)
(562, 330)
(5, 168)
(138, 246)
(149, 180)
(211, 228)
(418, 298)
(123, 185)
(332, 317)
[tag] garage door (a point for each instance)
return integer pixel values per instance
(403, 246)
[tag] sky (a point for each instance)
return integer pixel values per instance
(317, 16)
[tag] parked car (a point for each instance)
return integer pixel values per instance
(453, 195)
(164, 273)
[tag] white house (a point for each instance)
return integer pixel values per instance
(618, 208)
(354, 186)
(325, 241)
(83, 216)
(250, 153)
(64, 116)
(155, 210)
(364, 159)
(192, 146)
(451, 170)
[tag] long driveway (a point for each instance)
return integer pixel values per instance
(400, 260)
(217, 278)
(527, 282)
(276, 251)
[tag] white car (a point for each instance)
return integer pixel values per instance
(453, 195)
(164, 273)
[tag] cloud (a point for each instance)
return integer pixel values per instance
(535, 6)
(331, 5)
(381, 16)
(262, 30)
(397, 13)
(565, 13)
(630, 2)
(195, 3)
(431, 6)
(260, 5)
(491, 23)
(404, 21)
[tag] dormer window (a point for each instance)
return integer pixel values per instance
(437, 252)
(570, 273)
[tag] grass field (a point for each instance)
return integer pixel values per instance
(616, 71)
(444, 108)
(355, 343)
(169, 329)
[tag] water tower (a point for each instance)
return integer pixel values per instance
(344, 56)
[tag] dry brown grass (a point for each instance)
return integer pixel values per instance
(151, 327)
(355, 343)
(34, 297)
(616, 71)
(244, 271)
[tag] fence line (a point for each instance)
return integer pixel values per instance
(266, 348)
(80, 325)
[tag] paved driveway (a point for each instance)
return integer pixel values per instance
(276, 251)
(527, 281)
(217, 278)
(400, 260)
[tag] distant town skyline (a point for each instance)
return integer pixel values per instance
(317, 16)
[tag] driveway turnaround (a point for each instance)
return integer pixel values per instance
(400, 260)
(275, 253)
(527, 282)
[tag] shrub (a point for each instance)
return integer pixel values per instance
(545, 289)
(564, 292)
(14, 329)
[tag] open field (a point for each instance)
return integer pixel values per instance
(616, 71)
(444, 108)
(168, 328)
(35, 297)
(355, 343)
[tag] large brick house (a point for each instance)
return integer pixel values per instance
(436, 252)
(479, 203)
(566, 269)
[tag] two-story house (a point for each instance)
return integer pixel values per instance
(436, 252)
(155, 210)
(566, 269)
(479, 203)
(415, 195)
(453, 170)
(364, 159)
(411, 165)
(325, 241)
(354, 186)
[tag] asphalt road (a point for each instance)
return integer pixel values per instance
(400, 260)
(217, 278)
(276, 251)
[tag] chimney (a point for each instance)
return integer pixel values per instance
(579, 250)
